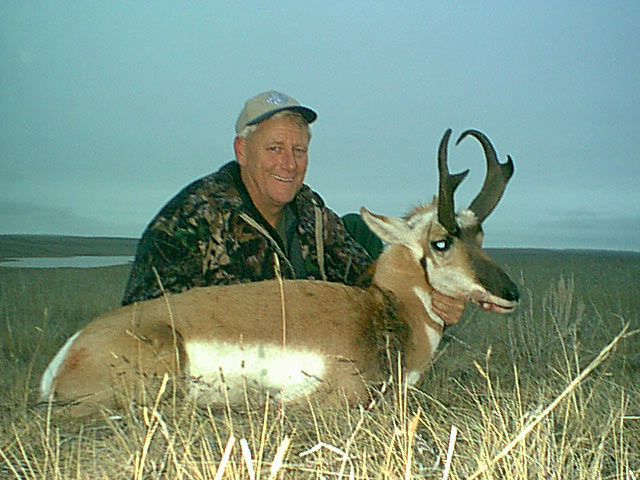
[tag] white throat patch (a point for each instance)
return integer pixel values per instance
(425, 298)
(433, 335)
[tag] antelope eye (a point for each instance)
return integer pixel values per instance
(441, 245)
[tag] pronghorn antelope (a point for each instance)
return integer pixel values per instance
(298, 338)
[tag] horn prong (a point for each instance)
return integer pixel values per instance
(495, 182)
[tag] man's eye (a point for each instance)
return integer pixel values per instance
(274, 148)
(441, 245)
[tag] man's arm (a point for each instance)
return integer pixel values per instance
(362, 234)
(177, 265)
(347, 260)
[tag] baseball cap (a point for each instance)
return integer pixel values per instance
(262, 106)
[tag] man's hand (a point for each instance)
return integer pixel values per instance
(447, 308)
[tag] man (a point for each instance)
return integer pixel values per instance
(255, 216)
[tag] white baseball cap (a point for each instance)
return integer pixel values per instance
(262, 106)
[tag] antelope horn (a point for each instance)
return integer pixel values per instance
(448, 184)
(498, 174)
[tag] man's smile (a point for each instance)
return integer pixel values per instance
(282, 179)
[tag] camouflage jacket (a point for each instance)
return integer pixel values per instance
(211, 233)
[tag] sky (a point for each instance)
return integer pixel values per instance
(108, 109)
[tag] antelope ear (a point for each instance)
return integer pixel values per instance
(389, 229)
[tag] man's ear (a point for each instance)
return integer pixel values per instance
(239, 148)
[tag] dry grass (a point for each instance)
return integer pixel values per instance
(551, 392)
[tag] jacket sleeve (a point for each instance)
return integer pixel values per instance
(196, 244)
(173, 249)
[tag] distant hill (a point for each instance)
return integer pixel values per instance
(17, 246)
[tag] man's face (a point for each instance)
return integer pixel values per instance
(273, 163)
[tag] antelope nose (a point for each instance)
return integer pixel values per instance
(511, 293)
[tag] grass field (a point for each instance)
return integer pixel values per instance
(509, 387)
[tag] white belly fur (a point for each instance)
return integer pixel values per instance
(221, 372)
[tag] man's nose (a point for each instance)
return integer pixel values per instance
(289, 159)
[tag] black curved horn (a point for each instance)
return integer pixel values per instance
(495, 182)
(447, 185)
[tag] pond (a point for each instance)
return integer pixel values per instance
(66, 262)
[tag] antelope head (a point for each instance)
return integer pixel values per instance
(447, 245)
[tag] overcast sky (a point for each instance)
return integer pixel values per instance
(107, 109)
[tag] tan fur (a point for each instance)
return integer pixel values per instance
(118, 349)
(398, 272)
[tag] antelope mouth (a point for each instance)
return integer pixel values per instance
(495, 304)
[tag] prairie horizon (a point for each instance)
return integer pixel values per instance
(53, 245)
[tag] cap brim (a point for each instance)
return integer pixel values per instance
(308, 114)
